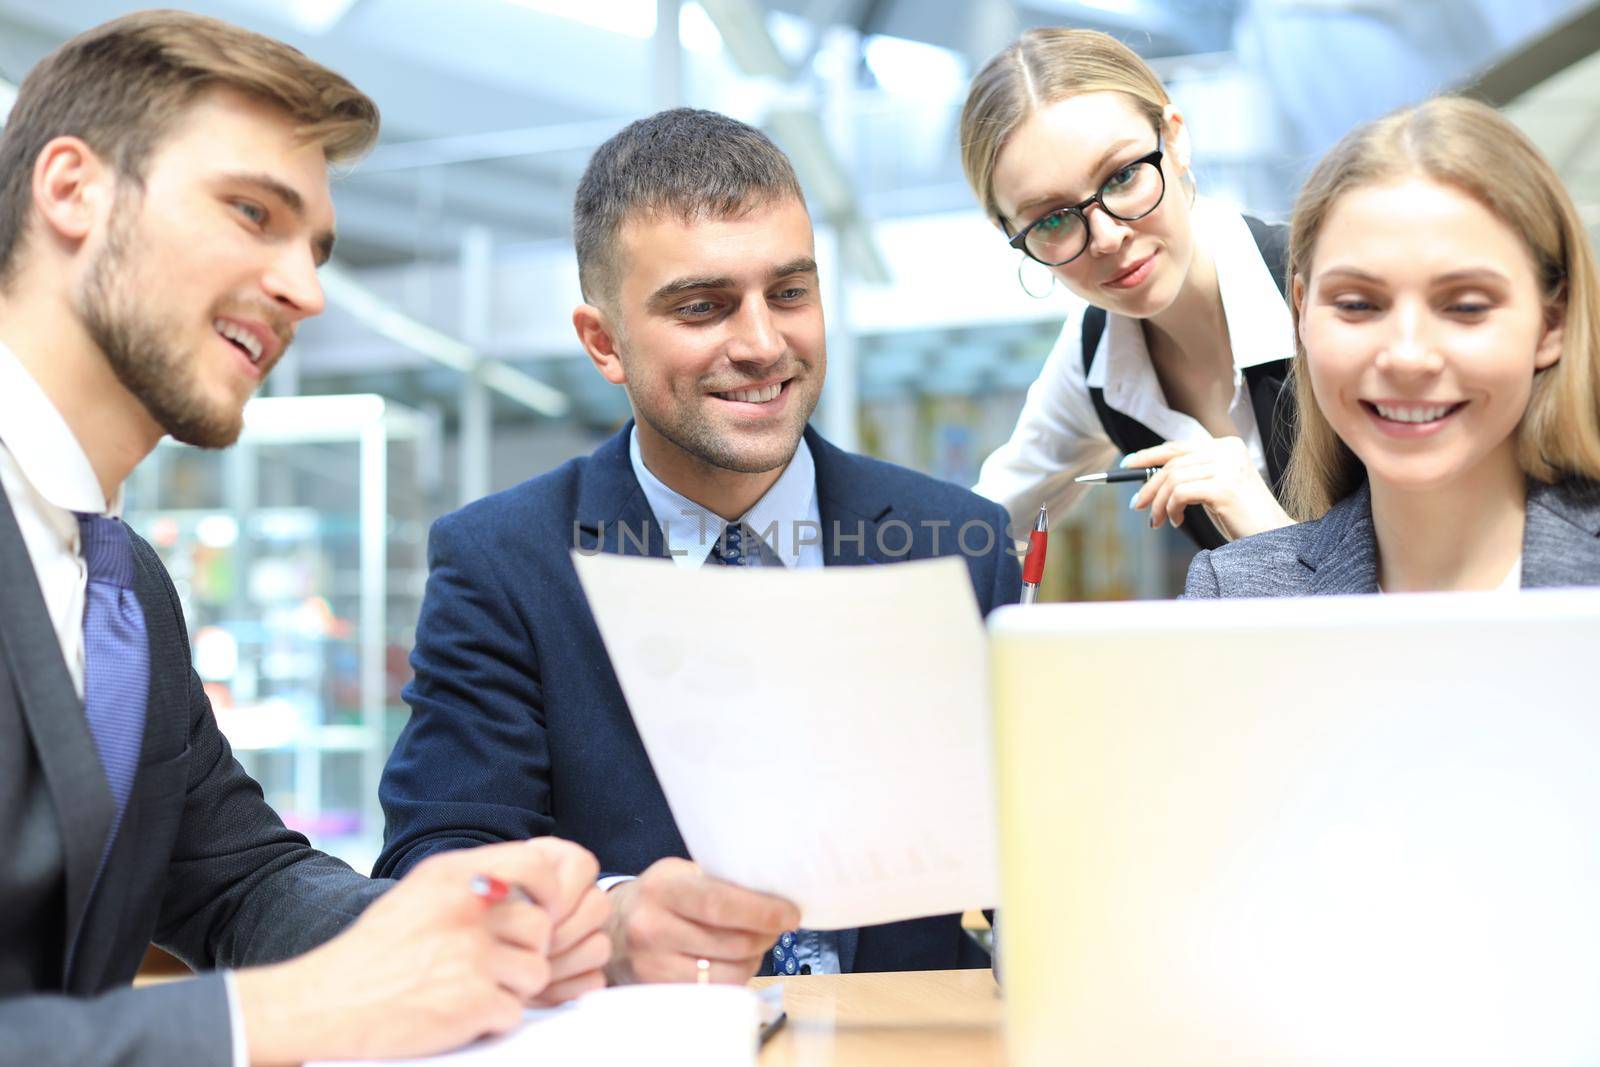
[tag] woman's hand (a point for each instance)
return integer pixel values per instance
(1217, 474)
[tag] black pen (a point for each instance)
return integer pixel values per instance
(1135, 474)
(768, 1029)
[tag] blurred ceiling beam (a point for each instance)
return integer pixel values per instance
(743, 26)
(1150, 27)
(666, 57)
(518, 198)
(1539, 59)
(493, 144)
(388, 321)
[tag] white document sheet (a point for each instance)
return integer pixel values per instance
(821, 734)
(550, 1035)
(664, 1025)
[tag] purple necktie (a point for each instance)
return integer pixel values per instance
(116, 674)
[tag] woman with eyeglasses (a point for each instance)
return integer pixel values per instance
(1447, 305)
(1176, 358)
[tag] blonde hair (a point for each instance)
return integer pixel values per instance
(123, 85)
(1470, 146)
(1042, 67)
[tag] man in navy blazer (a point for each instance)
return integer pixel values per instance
(696, 259)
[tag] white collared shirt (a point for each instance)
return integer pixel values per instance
(1059, 434)
(47, 478)
(786, 517)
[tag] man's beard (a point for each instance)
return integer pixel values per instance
(724, 451)
(142, 347)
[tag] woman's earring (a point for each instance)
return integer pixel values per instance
(1022, 263)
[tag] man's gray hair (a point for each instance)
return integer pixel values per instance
(683, 162)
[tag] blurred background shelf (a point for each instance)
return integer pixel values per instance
(298, 556)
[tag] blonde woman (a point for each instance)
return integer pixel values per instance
(1177, 357)
(1446, 301)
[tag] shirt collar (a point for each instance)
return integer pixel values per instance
(1259, 327)
(692, 530)
(43, 445)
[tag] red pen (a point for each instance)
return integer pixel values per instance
(492, 890)
(1033, 562)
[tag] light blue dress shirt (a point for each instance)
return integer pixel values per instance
(788, 520)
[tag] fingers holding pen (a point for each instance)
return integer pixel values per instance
(1219, 474)
(1181, 463)
(520, 971)
(1172, 490)
(519, 922)
(1156, 455)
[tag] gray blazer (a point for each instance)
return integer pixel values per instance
(201, 865)
(1338, 553)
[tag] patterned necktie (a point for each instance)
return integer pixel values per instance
(116, 673)
(733, 549)
(729, 549)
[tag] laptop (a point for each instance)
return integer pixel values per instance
(1335, 831)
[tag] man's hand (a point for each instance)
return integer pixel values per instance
(579, 946)
(430, 966)
(673, 914)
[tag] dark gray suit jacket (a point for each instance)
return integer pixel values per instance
(201, 865)
(1338, 553)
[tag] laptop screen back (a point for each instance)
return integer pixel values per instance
(1355, 831)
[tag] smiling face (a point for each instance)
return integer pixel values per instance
(719, 339)
(200, 279)
(1423, 324)
(1064, 153)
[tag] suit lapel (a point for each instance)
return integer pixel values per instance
(1343, 558)
(852, 512)
(613, 514)
(167, 704)
(1561, 538)
(55, 720)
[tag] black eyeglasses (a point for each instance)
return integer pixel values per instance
(1061, 236)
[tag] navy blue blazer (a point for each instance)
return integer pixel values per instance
(518, 727)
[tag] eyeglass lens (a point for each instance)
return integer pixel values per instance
(1131, 193)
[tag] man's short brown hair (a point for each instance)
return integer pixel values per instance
(122, 86)
(681, 162)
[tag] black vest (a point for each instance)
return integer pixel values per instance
(1274, 407)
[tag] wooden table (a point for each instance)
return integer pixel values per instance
(925, 1018)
